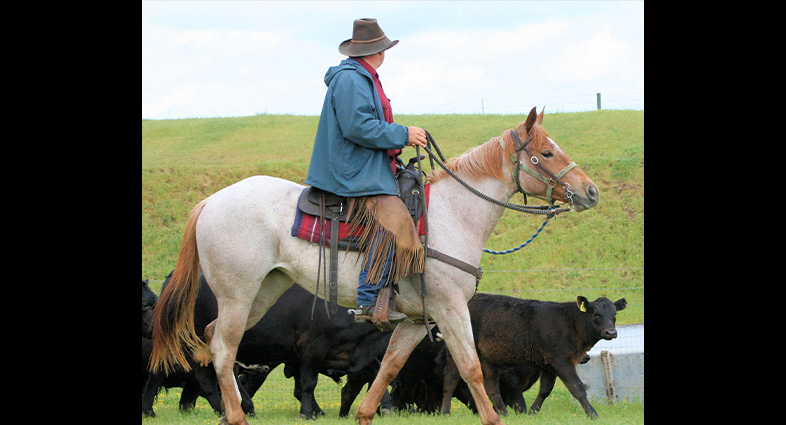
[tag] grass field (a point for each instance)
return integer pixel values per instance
(599, 252)
(280, 408)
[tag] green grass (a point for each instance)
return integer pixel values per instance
(275, 405)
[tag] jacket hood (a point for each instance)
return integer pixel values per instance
(346, 64)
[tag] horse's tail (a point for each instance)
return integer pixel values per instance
(174, 337)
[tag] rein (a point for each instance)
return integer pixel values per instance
(548, 210)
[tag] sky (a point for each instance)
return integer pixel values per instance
(205, 59)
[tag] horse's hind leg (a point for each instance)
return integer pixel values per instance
(237, 314)
(405, 338)
(228, 330)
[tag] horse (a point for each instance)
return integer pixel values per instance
(240, 237)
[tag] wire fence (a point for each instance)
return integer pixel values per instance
(522, 105)
(619, 291)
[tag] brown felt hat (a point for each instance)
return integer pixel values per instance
(367, 39)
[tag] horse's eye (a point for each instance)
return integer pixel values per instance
(547, 154)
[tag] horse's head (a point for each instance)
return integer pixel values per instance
(545, 171)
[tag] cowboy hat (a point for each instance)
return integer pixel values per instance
(367, 39)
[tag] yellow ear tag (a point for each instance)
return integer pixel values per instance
(582, 308)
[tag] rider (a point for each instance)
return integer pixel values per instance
(354, 156)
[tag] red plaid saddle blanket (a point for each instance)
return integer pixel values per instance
(308, 227)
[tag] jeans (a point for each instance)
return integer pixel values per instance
(367, 294)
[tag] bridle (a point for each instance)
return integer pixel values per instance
(550, 180)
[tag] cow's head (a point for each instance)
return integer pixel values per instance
(601, 315)
(149, 299)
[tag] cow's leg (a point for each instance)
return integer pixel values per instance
(511, 390)
(154, 383)
(514, 383)
(189, 396)
(491, 382)
(571, 379)
(208, 385)
(349, 393)
(546, 385)
(253, 382)
(308, 377)
(405, 338)
(454, 323)
(450, 380)
(245, 401)
(355, 383)
(386, 404)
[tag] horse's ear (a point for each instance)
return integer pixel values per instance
(531, 119)
(539, 121)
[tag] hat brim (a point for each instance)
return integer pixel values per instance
(353, 50)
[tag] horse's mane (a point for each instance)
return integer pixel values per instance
(488, 160)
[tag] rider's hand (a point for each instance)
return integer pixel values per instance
(417, 137)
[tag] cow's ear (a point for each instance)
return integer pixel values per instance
(621, 304)
(583, 303)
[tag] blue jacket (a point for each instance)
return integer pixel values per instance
(350, 149)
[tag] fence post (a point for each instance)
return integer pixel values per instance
(599, 101)
(611, 393)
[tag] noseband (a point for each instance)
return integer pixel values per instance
(550, 180)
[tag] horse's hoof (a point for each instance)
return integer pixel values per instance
(362, 419)
(224, 421)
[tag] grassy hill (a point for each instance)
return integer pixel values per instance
(599, 252)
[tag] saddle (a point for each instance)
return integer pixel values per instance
(313, 199)
(408, 180)
(325, 218)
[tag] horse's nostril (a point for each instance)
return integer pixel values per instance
(592, 193)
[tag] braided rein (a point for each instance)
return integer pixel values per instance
(547, 210)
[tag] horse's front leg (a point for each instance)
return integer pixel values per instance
(457, 333)
(405, 338)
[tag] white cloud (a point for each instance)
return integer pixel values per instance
(514, 66)
(237, 72)
(242, 58)
(593, 58)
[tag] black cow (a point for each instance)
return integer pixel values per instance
(287, 334)
(189, 381)
(549, 336)
(149, 299)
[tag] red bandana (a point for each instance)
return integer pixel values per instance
(387, 110)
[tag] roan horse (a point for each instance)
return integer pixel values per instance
(240, 236)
